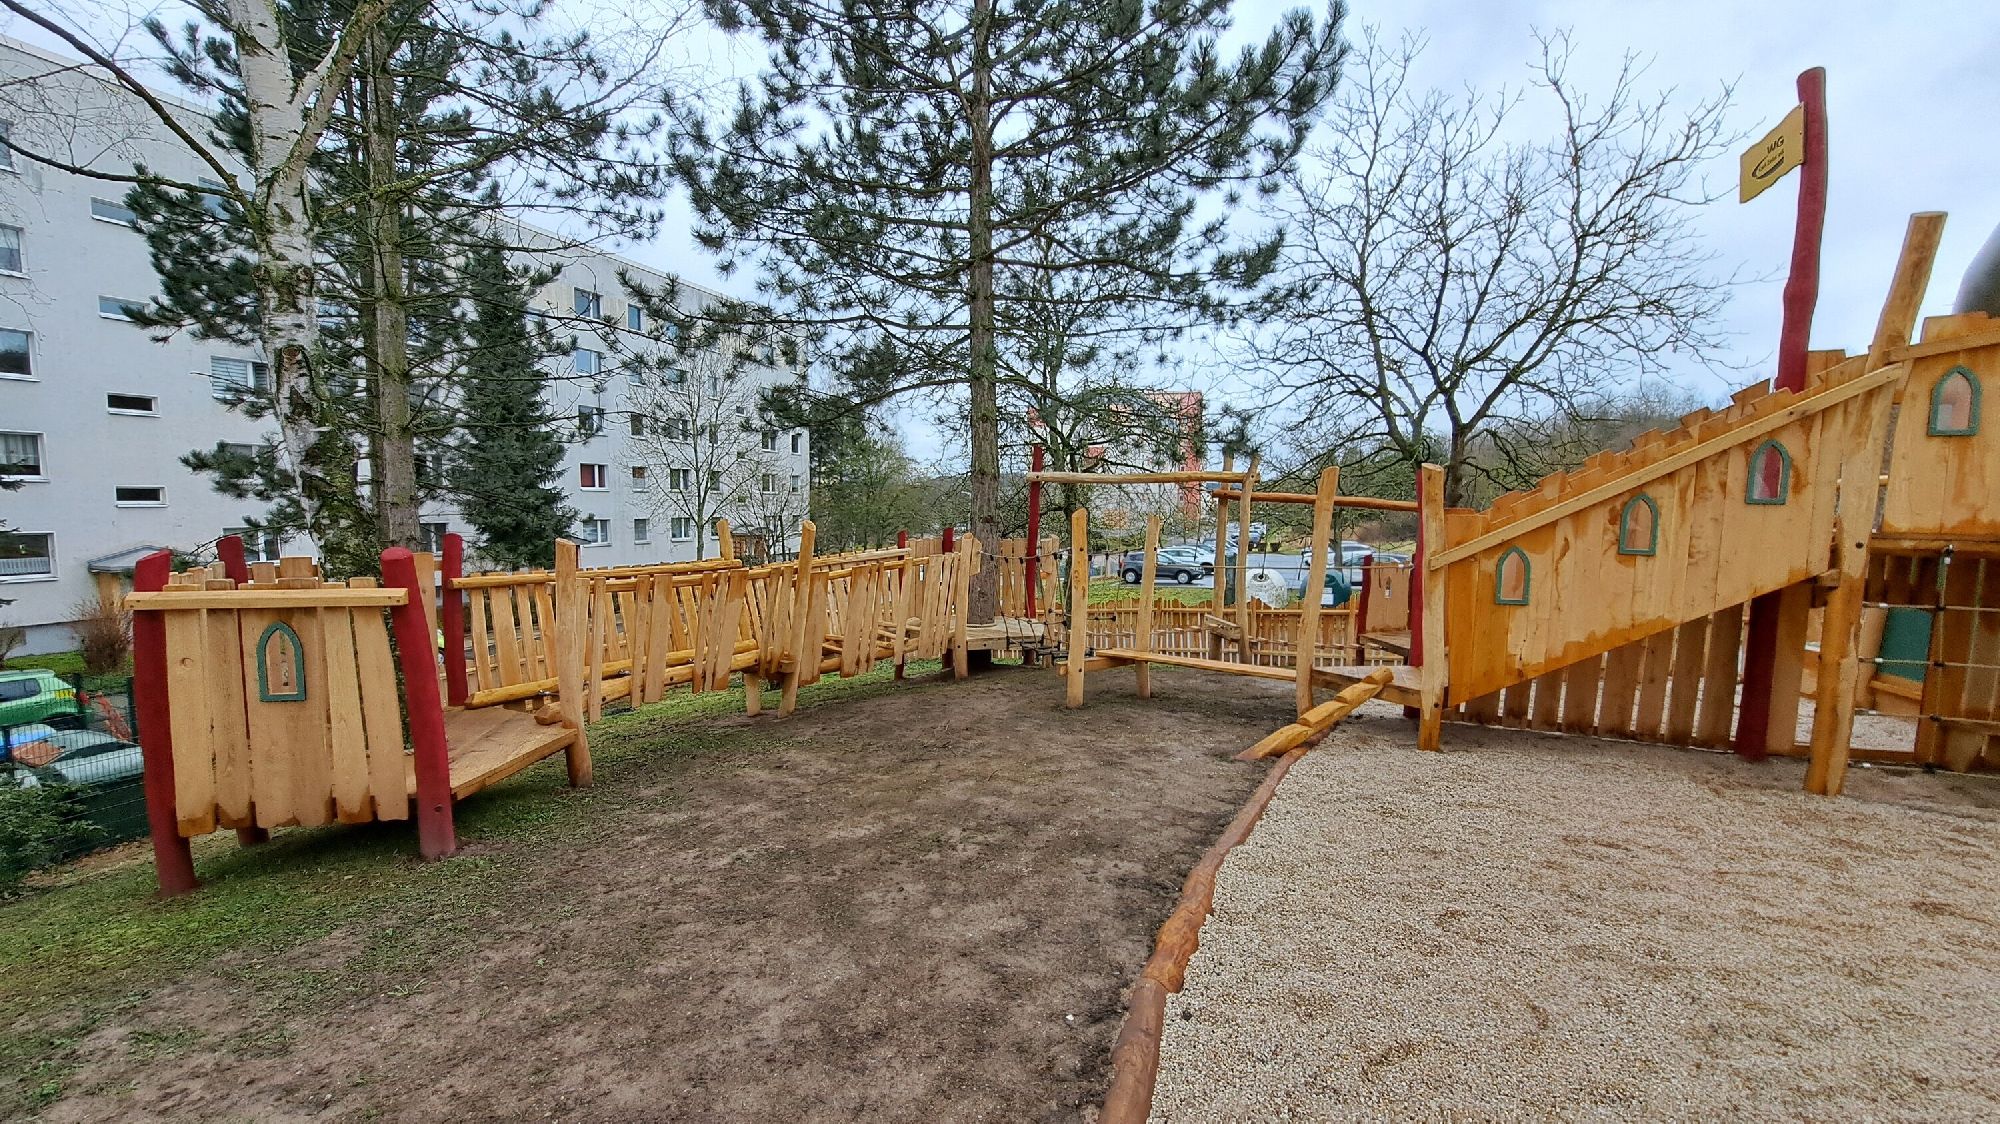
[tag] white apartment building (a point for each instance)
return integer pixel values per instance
(95, 414)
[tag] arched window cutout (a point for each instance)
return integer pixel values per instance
(281, 665)
(1639, 526)
(1511, 578)
(1955, 404)
(1770, 475)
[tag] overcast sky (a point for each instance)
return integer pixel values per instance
(1913, 95)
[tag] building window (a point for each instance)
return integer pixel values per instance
(7, 153)
(10, 250)
(16, 354)
(434, 534)
(594, 477)
(714, 382)
(587, 362)
(589, 420)
(675, 376)
(638, 425)
(1955, 404)
(104, 210)
(635, 318)
(1511, 579)
(140, 496)
(679, 479)
(588, 303)
(232, 378)
(258, 546)
(640, 531)
(594, 532)
(21, 455)
(24, 555)
(795, 441)
(768, 483)
(118, 308)
(1639, 526)
(635, 376)
(714, 479)
(770, 441)
(640, 481)
(681, 529)
(678, 429)
(798, 483)
(1770, 475)
(132, 404)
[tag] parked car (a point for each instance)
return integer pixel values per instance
(1178, 564)
(1347, 556)
(104, 774)
(34, 695)
(38, 743)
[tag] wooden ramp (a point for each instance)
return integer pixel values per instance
(490, 744)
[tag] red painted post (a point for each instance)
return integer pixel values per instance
(229, 550)
(1034, 573)
(1760, 648)
(437, 837)
(173, 861)
(235, 567)
(902, 540)
(451, 620)
(948, 542)
(1361, 609)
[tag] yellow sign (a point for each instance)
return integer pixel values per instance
(1767, 161)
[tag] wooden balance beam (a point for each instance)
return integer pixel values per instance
(1314, 723)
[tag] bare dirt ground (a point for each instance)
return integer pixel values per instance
(1537, 927)
(924, 905)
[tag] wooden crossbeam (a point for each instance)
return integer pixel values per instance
(1316, 722)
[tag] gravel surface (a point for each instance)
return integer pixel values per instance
(1531, 926)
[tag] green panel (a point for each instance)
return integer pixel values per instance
(1906, 644)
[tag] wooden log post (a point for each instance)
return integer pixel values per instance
(1033, 569)
(1321, 544)
(173, 859)
(961, 620)
(437, 835)
(1428, 638)
(1243, 562)
(568, 646)
(1149, 569)
(1079, 603)
(795, 643)
(1220, 576)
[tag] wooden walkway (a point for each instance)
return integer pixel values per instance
(490, 744)
(1402, 688)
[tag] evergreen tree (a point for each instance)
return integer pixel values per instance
(896, 164)
(505, 470)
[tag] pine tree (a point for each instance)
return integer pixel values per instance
(505, 470)
(897, 170)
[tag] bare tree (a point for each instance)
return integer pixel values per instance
(1449, 286)
(693, 422)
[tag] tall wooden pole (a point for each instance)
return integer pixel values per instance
(437, 836)
(1034, 568)
(1321, 544)
(1427, 634)
(1079, 602)
(1760, 649)
(1149, 572)
(451, 621)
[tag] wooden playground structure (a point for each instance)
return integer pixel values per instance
(271, 698)
(1613, 598)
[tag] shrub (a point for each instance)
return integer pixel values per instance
(12, 636)
(38, 826)
(103, 634)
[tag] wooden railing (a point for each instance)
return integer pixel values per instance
(1178, 631)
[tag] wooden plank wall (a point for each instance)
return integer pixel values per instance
(1939, 485)
(1714, 550)
(337, 755)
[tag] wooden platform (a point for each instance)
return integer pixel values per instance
(1002, 633)
(492, 743)
(1397, 642)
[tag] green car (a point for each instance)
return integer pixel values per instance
(34, 696)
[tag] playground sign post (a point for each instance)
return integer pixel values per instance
(1799, 142)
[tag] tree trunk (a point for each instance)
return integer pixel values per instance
(396, 466)
(982, 375)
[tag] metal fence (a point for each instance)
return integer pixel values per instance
(71, 776)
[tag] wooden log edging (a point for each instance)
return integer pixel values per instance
(1135, 1057)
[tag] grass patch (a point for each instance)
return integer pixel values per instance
(67, 664)
(95, 942)
(1106, 591)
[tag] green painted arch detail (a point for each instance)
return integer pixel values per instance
(291, 685)
(1770, 447)
(1513, 556)
(1652, 544)
(1956, 376)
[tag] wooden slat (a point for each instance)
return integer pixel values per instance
(253, 598)
(188, 668)
(347, 740)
